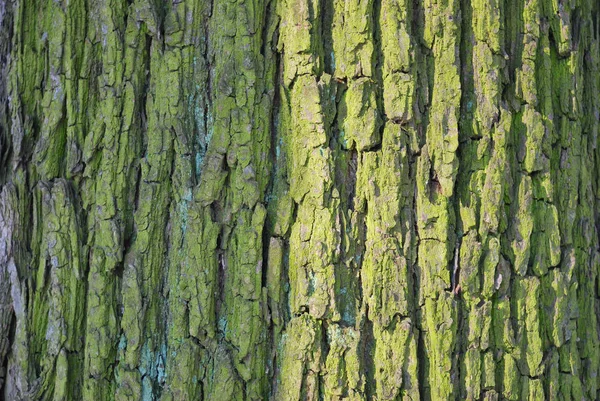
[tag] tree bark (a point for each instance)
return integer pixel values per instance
(299, 200)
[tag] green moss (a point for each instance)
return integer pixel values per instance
(358, 111)
(194, 205)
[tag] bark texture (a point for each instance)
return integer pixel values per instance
(299, 200)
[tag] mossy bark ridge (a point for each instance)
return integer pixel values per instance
(299, 200)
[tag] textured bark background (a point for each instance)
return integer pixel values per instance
(299, 199)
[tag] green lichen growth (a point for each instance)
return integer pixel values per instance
(299, 200)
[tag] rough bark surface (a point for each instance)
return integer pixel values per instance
(299, 200)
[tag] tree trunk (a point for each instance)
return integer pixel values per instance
(299, 200)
